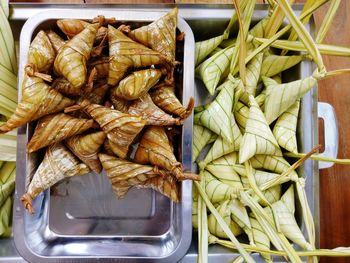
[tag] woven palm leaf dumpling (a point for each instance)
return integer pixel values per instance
(93, 95)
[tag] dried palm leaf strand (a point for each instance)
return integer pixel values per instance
(275, 164)
(303, 34)
(275, 20)
(327, 21)
(324, 49)
(317, 157)
(241, 46)
(336, 252)
(306, 212)
(283, 31)
(240, 50)
(202, 223)
(304, 18)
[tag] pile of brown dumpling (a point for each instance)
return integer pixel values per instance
(96, 93)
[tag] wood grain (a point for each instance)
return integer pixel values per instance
(220, 1)
(135, 1)
(49, 1)
(129, 1)
(94, 1)
(335, 182)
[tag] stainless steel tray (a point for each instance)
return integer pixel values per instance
(307, 135)
(82, 218)
(205, 21)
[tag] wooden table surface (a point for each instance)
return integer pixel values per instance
(335, 181)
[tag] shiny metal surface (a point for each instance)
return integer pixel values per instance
(81, 219)
(331, 134)
(205, 21)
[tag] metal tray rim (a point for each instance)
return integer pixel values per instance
(188, 78)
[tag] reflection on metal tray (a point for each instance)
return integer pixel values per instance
(81, 217)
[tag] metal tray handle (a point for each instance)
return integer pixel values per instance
(331, 135)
